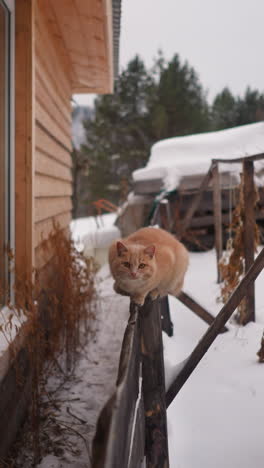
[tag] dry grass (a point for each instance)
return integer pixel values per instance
(49, 312)
(232, 265)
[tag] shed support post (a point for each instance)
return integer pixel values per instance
(217, 203)
(249, 234)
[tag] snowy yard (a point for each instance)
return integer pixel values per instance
(217, 418)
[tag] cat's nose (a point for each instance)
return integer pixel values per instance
(133, 274)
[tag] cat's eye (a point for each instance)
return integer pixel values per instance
(141, 265)
(126, 264)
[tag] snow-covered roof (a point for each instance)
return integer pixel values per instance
(173, 158)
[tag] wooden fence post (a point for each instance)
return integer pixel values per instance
(153, 386)
(217, 203)
(166, 323)
(249, 234)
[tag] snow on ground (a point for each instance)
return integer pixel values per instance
(79, 401)
(94, 234)
(174, 158)
(217, 418)
(95, 231)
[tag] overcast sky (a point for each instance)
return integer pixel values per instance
(221, 39)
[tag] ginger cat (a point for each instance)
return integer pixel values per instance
(149, 261)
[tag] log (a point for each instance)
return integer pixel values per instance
(189, 302)
(212, 332)
(217, 202)
(156, 448)
(249, 235)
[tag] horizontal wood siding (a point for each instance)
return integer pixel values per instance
(53, 179)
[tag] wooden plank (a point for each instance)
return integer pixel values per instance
(255, 157)
(51, 187)
(157, 455)
(24, 142)
(45, 7)
(48, 122)
(49, 166)
(47, 144)
(44, 228)
(49, 207)
(217, 203)
(48, 77)
(199, 310)
(217, 325)
(194, 205)
(53, 60)
(137, 448)
(166, 322)
(112, 442)
(50, 101)
(249, 234)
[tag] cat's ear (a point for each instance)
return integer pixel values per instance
(150, 250)
(121, 248)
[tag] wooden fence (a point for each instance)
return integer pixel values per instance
(132, 427)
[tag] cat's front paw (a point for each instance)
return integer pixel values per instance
(138, 300)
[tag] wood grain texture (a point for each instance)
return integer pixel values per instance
(82, 32)
(249, 234)
(24, 144)
(157, 455)
(49, 166)
(49, 207)
(44, 116)
(47, 143)
(51, 187)
(52, 175)
(217, 203)
(44, 229)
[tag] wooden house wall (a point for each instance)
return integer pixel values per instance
(52, 182)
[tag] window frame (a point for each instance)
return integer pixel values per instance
(9, 5)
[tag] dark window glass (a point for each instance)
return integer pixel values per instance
(4, 186)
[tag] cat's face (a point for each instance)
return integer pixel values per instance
(135, 262)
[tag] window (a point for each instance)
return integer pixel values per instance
(5, 142)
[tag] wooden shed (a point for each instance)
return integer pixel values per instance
(49, 50)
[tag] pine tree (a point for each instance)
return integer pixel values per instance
(180, 107)
(224, 110)
(229, 111)
(147, 105)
